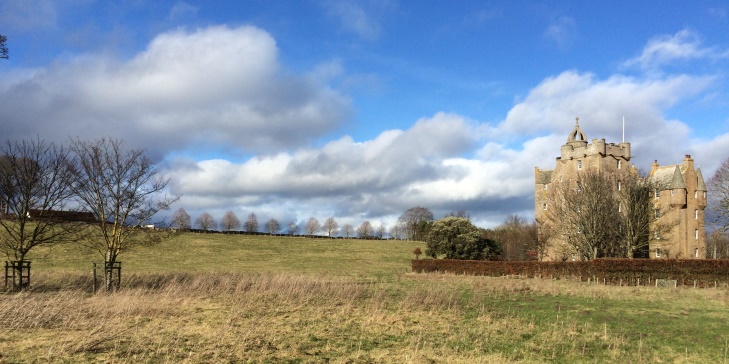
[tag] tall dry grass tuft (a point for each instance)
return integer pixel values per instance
(229, 317)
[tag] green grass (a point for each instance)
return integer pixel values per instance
(236, 298)
(244, 253)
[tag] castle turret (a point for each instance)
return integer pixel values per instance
(700, 189)
(678, 188)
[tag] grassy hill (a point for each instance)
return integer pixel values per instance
(191, 252)
(236, 298)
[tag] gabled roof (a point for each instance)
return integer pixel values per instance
(668, 177)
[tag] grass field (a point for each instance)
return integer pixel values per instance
(234, 298)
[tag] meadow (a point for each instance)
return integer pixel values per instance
(236, 298)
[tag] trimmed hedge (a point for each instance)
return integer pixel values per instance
(689, 272)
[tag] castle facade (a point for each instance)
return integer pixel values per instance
(677, 201)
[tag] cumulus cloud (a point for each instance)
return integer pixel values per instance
(601, 104)
(212, 86)
(682, 46)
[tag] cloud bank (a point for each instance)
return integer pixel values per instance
(223, 89)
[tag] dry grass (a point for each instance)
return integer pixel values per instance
(297, 318)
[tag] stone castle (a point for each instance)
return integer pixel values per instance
(678, 200)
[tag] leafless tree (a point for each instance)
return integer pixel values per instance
(312, 226)
(415, 221)
(181, 219)
(35, 188)
(330, 226)
(460, 213)
(585, 214)
(121, 188)
(637, 213)
(397, 231)
(206, 222)
(381, 231)
(347, 230)
(293, 228)
(251, 224)
(272, 226)
(365, 230)
(719, 195)
(517, 237)
(229, 222)
(717, 245)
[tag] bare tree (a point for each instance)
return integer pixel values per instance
(415, 221)
(460, 213)
(517, 238)
(181, 219)
(397, 231)
(381, 231)
(365, 230)
(121, 188)
(293, 228)
(206, 222)
(717, 246)
(272, 226)
(719, 195)
(347, 230)
(229, 222)
(35, 187)
(251, 224)
(312, 226)
(3, 47)
(330, 226)
(585, 214)
(637, 214)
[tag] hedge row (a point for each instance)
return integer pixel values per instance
(690, 272)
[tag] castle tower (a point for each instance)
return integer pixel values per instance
(679, 200)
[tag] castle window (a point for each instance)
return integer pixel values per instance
(619, 163)
(696, 194)
(696, 233)
(579, 186)
(545, 186)
(696, 214)
(620, 208)
(656, 235)
(655, 194)
(658, 252)
(657, 213)
(544, 207)
(579, 164)
(619, 185)
(696, 253)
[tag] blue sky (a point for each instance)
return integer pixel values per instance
(362, 109)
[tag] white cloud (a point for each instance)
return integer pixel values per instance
(665, 49)
(359, 17)
(561, 30)
(211, 87)
(553, 105)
